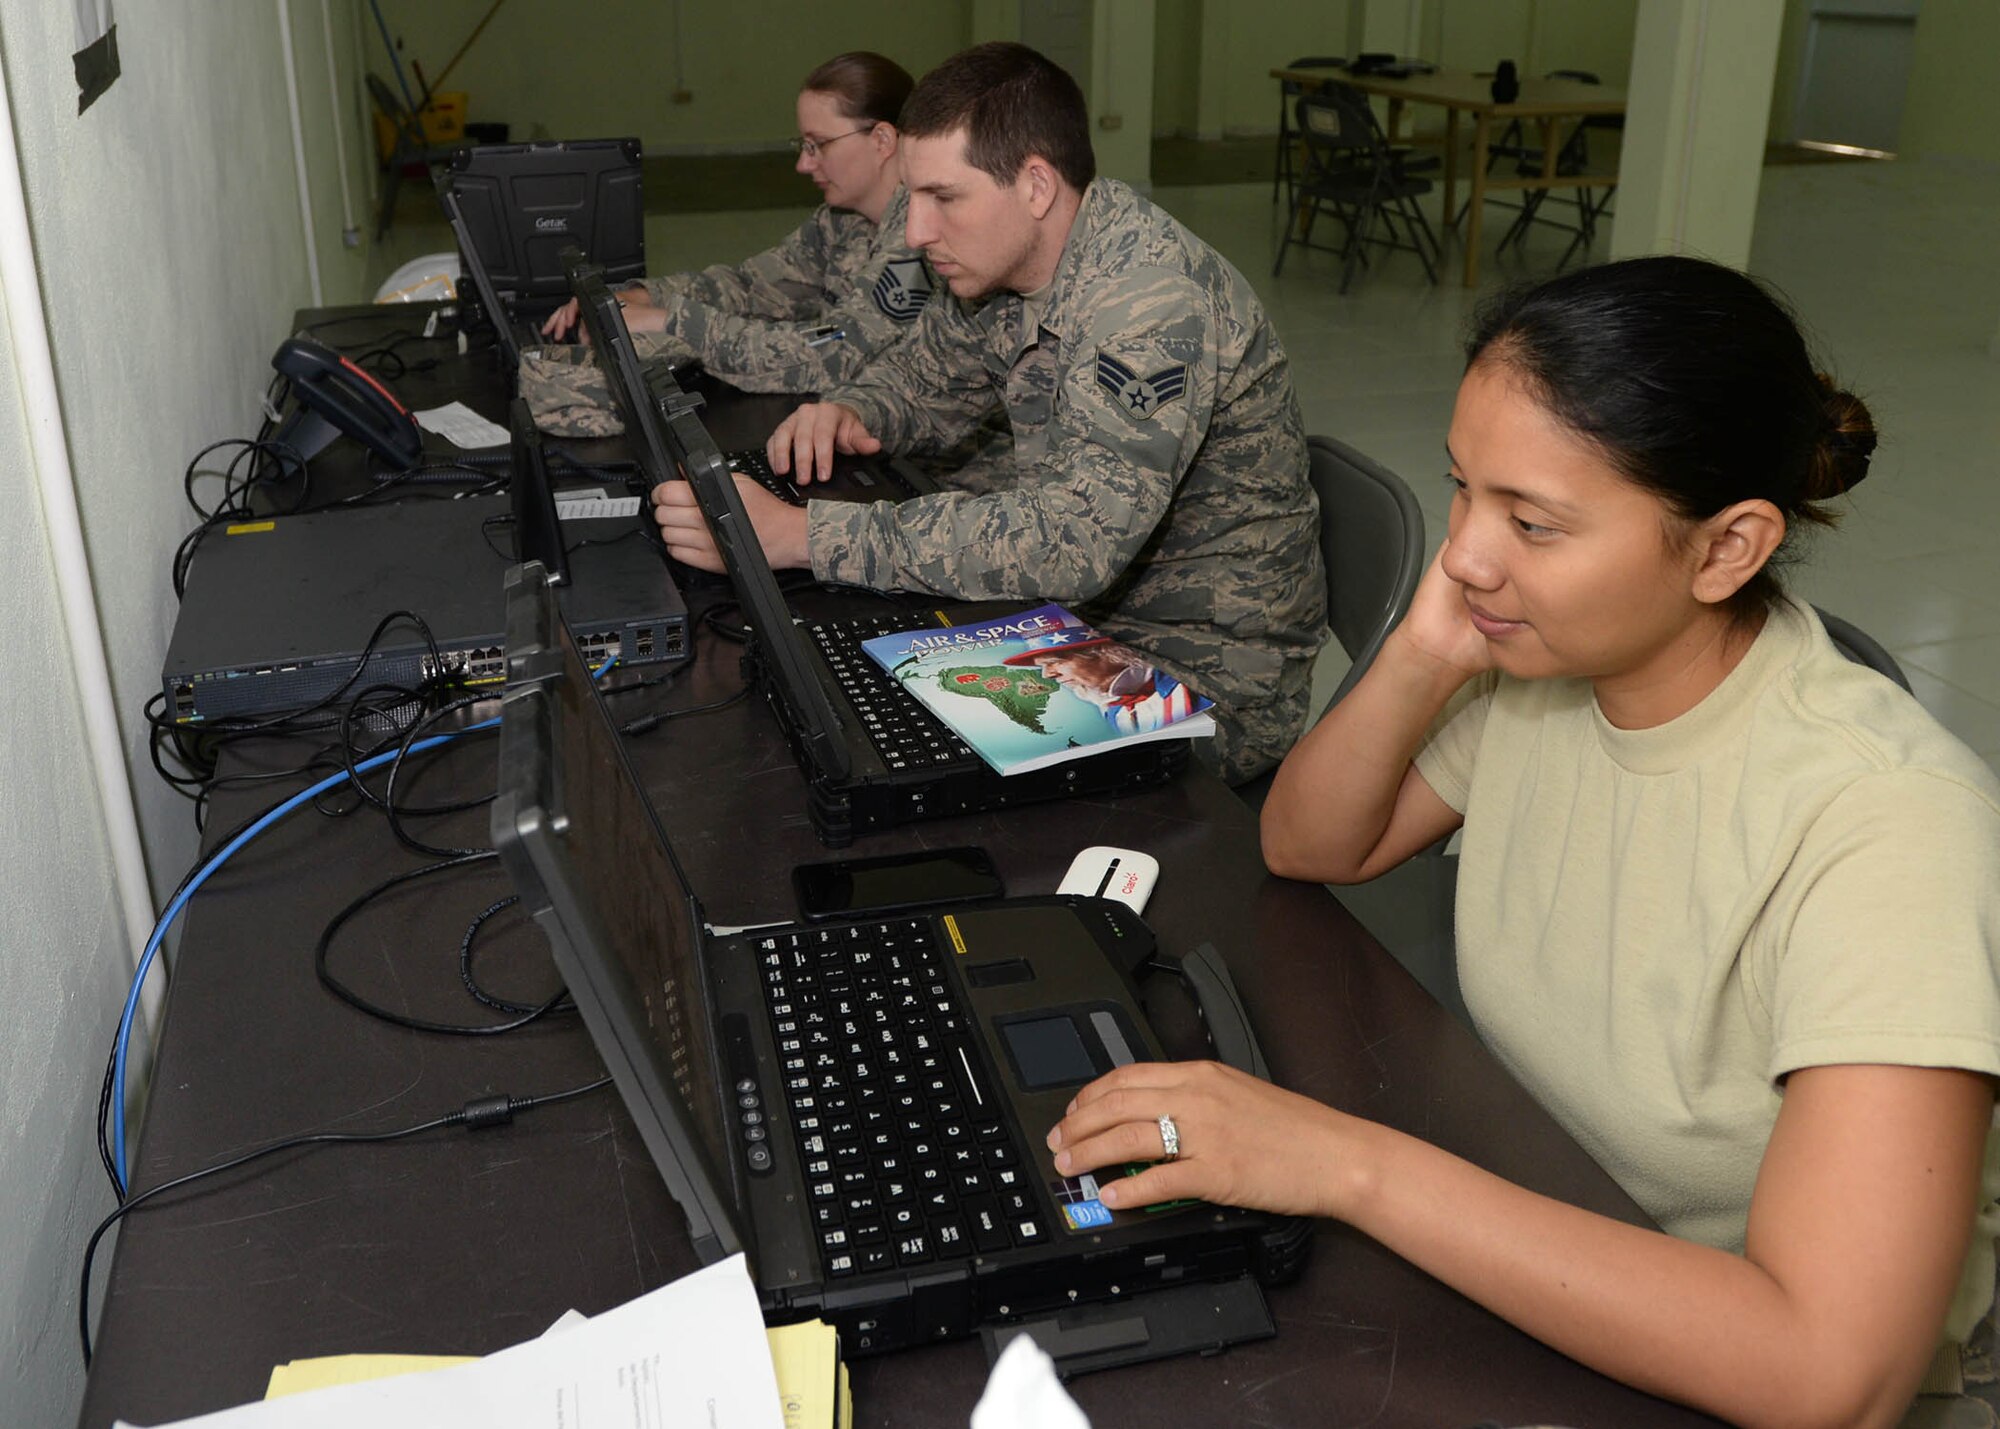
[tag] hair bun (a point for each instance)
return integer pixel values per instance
(1846, 444)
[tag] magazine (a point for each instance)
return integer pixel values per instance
(1030, 690)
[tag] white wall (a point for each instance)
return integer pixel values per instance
(170, 251)
(61, 949)
(1702, 75)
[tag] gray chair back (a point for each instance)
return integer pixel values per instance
(1371, 538)
(1862, 648)
(1371, 542)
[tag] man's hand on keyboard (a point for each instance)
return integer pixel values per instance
(640, 316)
(781, 529)
(804, 444)
(556, 326)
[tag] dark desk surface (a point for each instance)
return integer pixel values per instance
(458, 1243)
(430, 372)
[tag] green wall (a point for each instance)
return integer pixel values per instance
(1210, 59)
(540, 70)
(1176, 66)
(1949, 109)
(1242, 40)
(1538, 35)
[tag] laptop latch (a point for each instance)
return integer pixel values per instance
(678, 403)
(1204, 1317)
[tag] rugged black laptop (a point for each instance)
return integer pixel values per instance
(484, 299)
(873, 756)
(639, 389)
(861, 1106)
(524, 203)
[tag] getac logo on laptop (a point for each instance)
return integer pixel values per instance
(551, 225)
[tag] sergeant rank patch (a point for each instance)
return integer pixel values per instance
(903, 289)
(1141, 396)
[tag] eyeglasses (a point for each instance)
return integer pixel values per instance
(811, 147)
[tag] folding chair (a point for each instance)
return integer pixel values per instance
(1283, 172)
(1572, 158)
(1350, 169)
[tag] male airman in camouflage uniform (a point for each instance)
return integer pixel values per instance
(1158, 475)
(799, 317)
(1157, 481)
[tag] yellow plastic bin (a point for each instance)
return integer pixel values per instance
(442, 121)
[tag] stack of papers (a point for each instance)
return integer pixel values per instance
(812, 1380)
(693, 1352)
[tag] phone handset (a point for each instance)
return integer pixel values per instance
(1222, 1010)
(336, 396)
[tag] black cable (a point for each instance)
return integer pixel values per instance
(320, 765)
(390, 715)
(103, 1118)
(474, 1115)
(486, 527)
(372, 316)
(712, 620)
(449, 472)
(322, 963)
(269, 463)
(388, 363)
(492, 1000)
(396, 815)
(290, 720)
(621, 473)
(646, 724)
(895, 598)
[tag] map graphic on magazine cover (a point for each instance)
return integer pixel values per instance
(1034, 689)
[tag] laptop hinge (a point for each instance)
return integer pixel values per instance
(1205, 1317)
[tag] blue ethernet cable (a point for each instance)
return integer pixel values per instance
(180, 901)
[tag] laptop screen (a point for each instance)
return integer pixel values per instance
(524, 203)
(473, 266)
(611, 340)
(586, 852)
(814, 718)
(538, 532)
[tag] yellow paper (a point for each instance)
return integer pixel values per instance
(301, 1375)
(806, 1357)
(812, 1382)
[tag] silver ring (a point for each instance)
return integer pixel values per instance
(1170, 1139)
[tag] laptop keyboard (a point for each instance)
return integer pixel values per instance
(904, 1143)
(755, 465)
(904, 733)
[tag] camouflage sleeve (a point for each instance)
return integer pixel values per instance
(1132, 408)
(782, 284)
(928, 390)
(759, 354)
(884, 300)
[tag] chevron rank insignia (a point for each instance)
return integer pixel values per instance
(1141, 396)
(903, 289)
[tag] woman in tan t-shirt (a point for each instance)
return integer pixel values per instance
(1631, 446)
